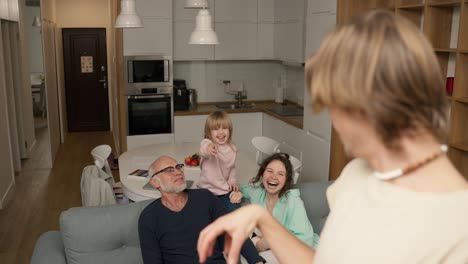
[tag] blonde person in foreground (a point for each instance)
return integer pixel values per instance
(400, 200)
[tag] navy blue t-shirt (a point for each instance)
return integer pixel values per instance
(171, 237)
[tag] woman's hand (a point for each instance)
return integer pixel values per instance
(212, 149)
(235, 197)
(237, 226)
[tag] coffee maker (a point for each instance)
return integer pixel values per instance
(181, 95)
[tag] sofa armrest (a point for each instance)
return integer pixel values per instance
(49, 249)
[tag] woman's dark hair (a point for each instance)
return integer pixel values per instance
(284, 158)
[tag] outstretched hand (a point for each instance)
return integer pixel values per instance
(212, 149)
(236, 226)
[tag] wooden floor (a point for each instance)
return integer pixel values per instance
(41, 193)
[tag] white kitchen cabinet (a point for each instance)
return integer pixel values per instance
(272, 127)
(265, 43)
(154, 8)
(317, 27)
(238, 41)
(289, 136)
(189, 128)
(185, 51)
(154, 37)
(246, 126)
(290, 10)
(235, 11)
(289, 40)
(317, 124)
(321, 6)
(266, 11)
(188, 14)
(156, 34)
(314, 151)
(315, 158)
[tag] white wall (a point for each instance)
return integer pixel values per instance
(36, 60)
(7, 179)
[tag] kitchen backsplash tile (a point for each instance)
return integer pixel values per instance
(258, 78)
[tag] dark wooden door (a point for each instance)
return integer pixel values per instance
(86, 91)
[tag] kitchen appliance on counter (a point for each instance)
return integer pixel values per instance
(181, 95)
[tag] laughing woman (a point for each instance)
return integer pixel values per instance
(271, 188)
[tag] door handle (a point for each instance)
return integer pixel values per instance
(104, 82)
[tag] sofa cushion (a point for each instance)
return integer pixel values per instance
(315, 201)
(105, 234)
(49, 249)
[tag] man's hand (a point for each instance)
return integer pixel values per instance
(236, 226)
(235, 197)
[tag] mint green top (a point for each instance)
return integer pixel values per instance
(289, 211)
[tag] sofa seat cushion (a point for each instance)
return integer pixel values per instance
(106, 234)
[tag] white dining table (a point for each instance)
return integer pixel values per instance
(142, 157)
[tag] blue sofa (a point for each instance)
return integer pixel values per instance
(109, 234)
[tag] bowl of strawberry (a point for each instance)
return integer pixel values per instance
(192, 161)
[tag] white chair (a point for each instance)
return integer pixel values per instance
(264, 145)
(296, 164)
(100, 154)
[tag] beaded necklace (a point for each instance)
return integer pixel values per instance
(400, 172)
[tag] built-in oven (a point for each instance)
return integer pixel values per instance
(147, 71)
(150, 112)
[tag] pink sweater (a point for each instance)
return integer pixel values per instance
(218, 171)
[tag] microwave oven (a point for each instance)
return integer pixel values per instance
(143, 71)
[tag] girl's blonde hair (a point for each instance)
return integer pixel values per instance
(383, 67)
(216, 120)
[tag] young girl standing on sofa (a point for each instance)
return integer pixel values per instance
(218, 173)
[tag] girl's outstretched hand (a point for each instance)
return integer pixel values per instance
(236, 226)
(212, 149)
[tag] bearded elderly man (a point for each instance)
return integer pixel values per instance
(169, 227)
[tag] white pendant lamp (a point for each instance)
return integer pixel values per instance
(196, 4)
(128, 17)
(203, 33)
(36, 22)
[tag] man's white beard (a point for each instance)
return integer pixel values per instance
(173, 189)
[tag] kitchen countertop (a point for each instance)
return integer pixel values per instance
(258, 107)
